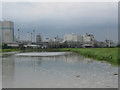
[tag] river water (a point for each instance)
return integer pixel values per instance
(57, 71)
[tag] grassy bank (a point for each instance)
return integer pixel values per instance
(42, 50)
(103, 54)
(8, 50)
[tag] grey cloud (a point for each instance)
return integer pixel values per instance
(51, 19)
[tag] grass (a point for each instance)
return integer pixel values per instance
(103, 54)
(41, 50)
(8, 50)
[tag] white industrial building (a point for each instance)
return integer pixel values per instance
(54, 40)
(7, 28)
(48, 40)
(57, 39)
(73, 38)
(38, 38)
(88, 40)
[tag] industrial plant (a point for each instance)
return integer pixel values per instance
(34, 40)
(7, 31)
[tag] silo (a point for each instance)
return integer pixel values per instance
(7, 32)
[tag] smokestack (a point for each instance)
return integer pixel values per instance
(33, 35)
(28, 36)
(108, 35)
(18, 35)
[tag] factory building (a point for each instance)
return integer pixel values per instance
(57, 39)
(88, 40)
(7, 28)
(48, 40)
(73, 38)
(38, 38)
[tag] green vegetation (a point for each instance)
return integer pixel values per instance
(8, 50)
(103, 54)
(0, 50)
(29, 50)
(40, 50)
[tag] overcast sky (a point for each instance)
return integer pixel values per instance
(59, 18)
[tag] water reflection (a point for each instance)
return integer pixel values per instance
(70, 58)
(56, 72)
(8, 71)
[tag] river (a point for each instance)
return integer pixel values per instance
(56, 71)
